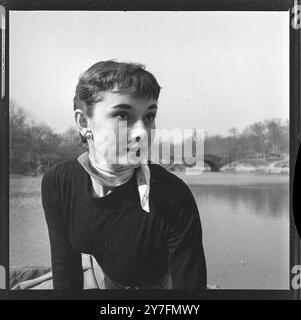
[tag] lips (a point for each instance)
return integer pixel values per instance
(135, 150)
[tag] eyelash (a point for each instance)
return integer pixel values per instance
(120, 115)
(153, 115)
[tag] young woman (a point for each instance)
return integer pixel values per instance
(139, 222)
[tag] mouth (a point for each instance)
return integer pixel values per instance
(137, 151)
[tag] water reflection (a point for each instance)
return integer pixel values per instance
(245, 234)
(269, 200)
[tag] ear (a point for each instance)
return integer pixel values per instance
(81, 121)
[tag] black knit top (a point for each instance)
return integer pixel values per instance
(133, 247)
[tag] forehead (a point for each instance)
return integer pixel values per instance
(125, 96)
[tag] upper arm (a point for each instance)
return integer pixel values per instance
(186, 254)
(65, 260)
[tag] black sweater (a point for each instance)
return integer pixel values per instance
(133, 247)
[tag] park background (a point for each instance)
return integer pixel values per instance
(224, 72)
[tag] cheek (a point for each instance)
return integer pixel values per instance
(102, 119)
(151, 135)
(122, 131)
(151, 129)
(106, 135)
(102, 126)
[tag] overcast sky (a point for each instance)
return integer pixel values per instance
(218, 69)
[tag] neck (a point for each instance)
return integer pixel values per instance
(106, 167)
(103, 175)
(99, 190)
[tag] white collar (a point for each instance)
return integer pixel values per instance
(114, 179)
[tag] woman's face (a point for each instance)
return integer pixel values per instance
(122, 124)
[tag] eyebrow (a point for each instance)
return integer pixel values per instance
(127, 106)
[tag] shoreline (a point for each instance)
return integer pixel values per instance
(212, 178)
(228, 179)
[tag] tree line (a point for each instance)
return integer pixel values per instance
(35, 147)
(265, 140)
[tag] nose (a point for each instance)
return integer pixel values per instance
(138, 132)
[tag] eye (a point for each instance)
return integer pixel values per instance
(150, 117)
(122, 115)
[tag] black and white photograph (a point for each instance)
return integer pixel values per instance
(209, 214)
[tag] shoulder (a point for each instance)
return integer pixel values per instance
(55, 185)
(175, 201)
(167, 179)
(59, 173)
(168, 184)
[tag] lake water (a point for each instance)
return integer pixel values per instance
(245, 221)
(245, 229)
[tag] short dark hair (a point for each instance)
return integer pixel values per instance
(105, 76)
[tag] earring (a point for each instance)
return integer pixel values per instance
(89, 134)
